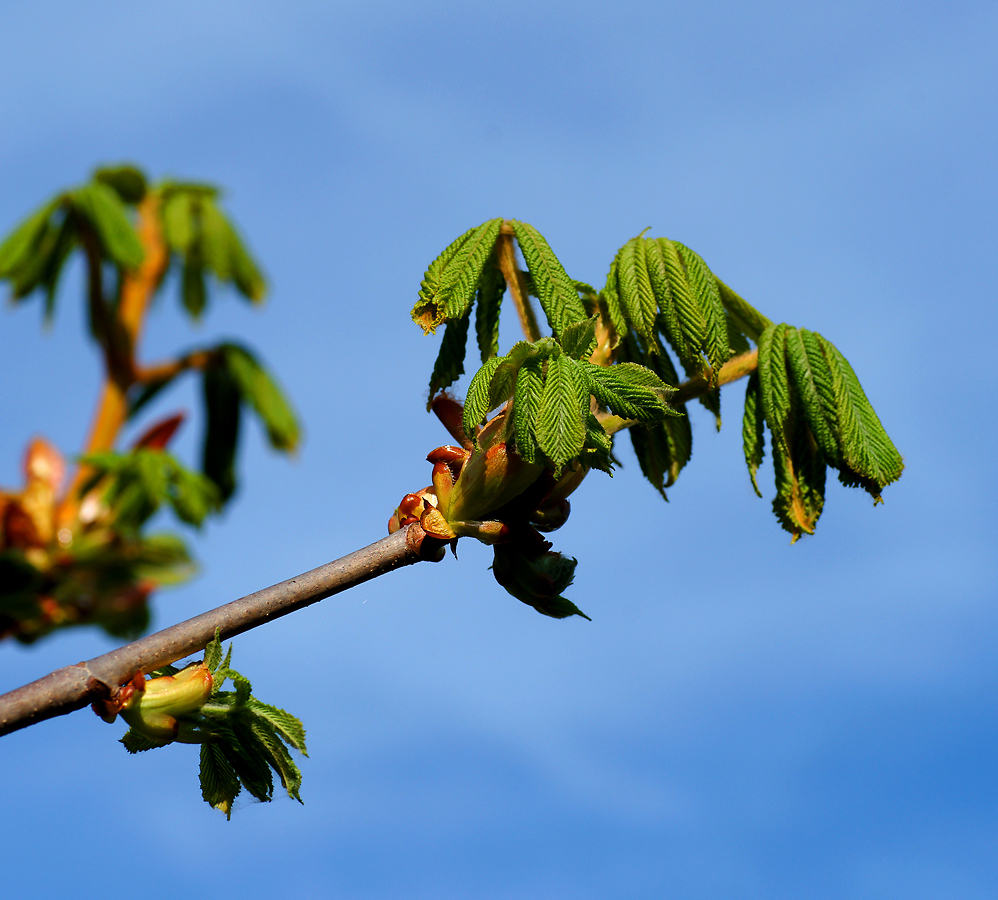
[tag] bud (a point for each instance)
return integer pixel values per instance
(154, 710)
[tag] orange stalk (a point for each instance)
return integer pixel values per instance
(137, 288)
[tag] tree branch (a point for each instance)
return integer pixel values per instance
(73, 687)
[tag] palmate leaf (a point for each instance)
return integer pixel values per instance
(554, 289)
(205, 240)
(818, 415)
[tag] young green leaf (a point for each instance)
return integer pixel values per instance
(556, 291)
(774, 385)
(579, 338)
(815, 389)
(259, 390)
(219, 783)
(103, 209)
(450, 360)
(526, 408)
(213, 652)
(561, 426)
(127, 181)
(629, 390)
(221, 437)
(287, 726)
(752, 435)
(19, 246)
(869, 458)
(704, 285)
(461, 277)
(635, 290)
(477, 404)
(491, 288)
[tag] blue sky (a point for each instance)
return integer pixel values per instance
(742, 718)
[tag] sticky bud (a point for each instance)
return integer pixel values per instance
(154, 711)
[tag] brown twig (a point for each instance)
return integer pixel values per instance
(73, 687)
(506, 255)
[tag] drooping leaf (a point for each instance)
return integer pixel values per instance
(635, 290)
(20, 245)
(800, 478)
(460, 279)
(221, 437)
(752, 430)
(259, 390)
(219, 783)
(612, 299)
(277, 757)
(561, 427)
(693, 326)
(701, 279)
(103, 209)
(193, 292)
(450, 360)
(814, 387)
(178, 218)
(774, 384)
(869, 458)
(449, 284)
(555, 290)
(491, 288)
